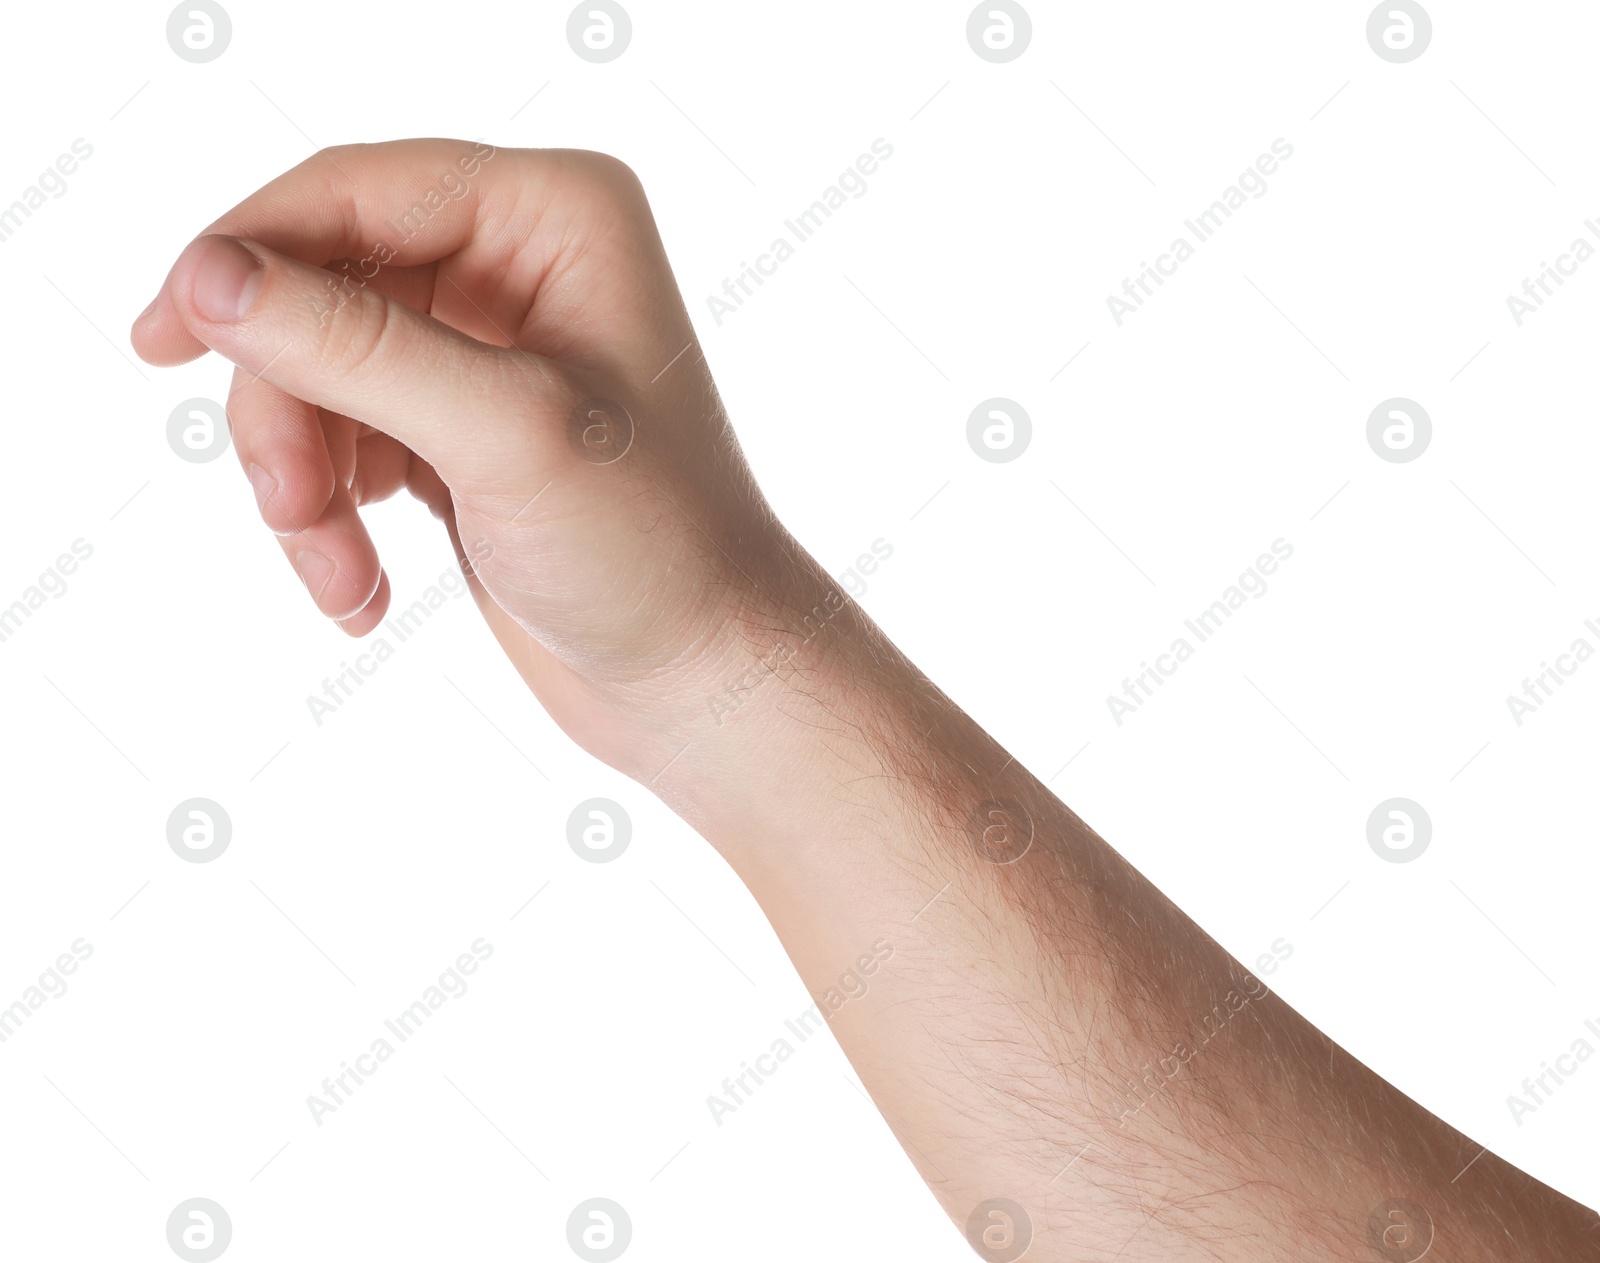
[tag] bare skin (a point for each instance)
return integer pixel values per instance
(1043, 1025)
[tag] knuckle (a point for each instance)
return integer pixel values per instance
(359, 338)
(609, 176)
(617, 171)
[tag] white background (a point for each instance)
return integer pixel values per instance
(369, 851)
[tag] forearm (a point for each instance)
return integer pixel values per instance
(1042, 1024)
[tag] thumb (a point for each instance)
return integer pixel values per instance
(464, 406)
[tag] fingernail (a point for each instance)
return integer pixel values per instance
(315, 571)
(148, 309)
(265, 486)
(226, 280)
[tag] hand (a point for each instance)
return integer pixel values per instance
(521, 360)
(499, 332)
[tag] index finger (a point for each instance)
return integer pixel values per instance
(405, 202)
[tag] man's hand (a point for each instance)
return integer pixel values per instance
(498, 331)
(1078, 1071)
